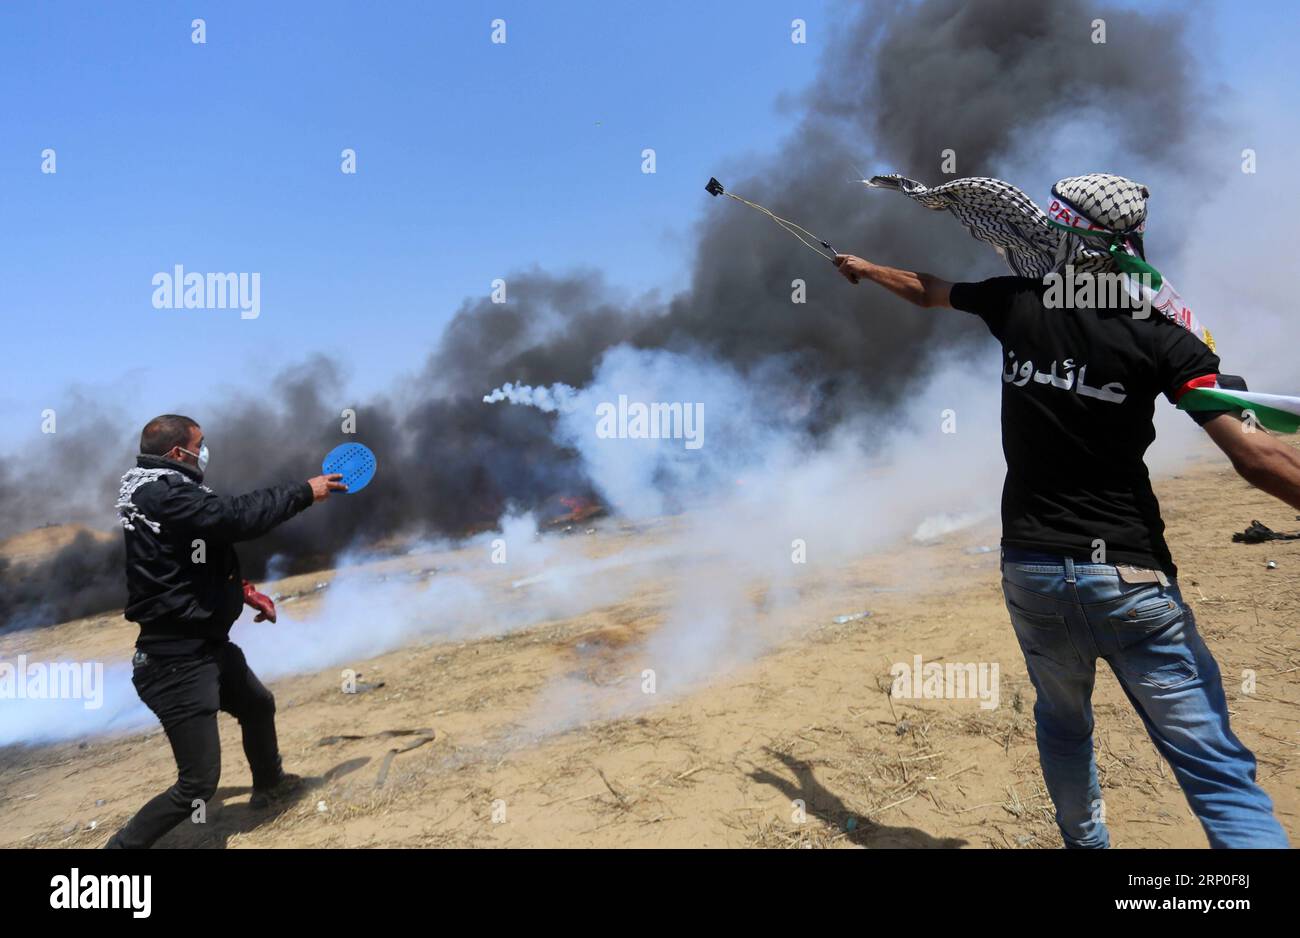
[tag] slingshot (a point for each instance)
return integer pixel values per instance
(714, 188)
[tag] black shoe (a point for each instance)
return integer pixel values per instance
(282, 790)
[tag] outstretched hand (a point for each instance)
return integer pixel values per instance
(321, 486)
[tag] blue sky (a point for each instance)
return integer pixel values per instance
(474, 160)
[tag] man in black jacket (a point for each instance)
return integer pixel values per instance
(185, 591)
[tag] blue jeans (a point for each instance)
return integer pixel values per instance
(1066, 616)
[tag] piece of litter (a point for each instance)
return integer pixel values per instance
(981, 549)
(1271, 565)
(321, 808)
(1259, 533)
(851, 617)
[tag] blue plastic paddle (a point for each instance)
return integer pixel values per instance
(354, 461)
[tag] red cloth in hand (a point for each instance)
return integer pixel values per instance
(259, 601)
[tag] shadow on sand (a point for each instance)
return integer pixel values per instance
(828, 807)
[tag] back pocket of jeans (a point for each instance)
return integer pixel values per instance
(1048, 621)
(1043, 633)
(1143, 619)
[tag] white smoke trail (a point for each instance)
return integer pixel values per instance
(550, 400)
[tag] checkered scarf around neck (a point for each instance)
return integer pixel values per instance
(128, 513)
(1093, 223)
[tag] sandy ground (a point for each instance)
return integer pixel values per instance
(809, 720)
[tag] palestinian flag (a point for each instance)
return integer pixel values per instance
(1228, 392)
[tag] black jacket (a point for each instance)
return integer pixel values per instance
(177, 602)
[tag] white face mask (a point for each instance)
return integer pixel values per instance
(201, 456)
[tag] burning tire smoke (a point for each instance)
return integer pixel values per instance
(898, 86)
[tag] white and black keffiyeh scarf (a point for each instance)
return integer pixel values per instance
(993, 211)
(1093, 223)
(128, 513)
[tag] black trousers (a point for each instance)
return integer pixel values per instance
(185, 693)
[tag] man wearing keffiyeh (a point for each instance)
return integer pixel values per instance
(185, 590)
(1086, 570)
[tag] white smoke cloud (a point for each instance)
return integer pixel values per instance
(759, 489)
(760, 484)
(34, 720)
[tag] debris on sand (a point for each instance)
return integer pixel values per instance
(851, 617)
(423, 573)
(1259, 533)
(382, 734)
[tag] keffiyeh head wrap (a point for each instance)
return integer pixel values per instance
(1111, 203)
(1093, 223)
(1100, 219)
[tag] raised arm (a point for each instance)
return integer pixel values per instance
(915, 287)
(1259, 457)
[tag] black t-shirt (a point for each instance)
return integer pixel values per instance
(1078, 395)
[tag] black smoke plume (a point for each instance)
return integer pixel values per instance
(898, 85)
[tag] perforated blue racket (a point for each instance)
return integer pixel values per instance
(355, 462)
